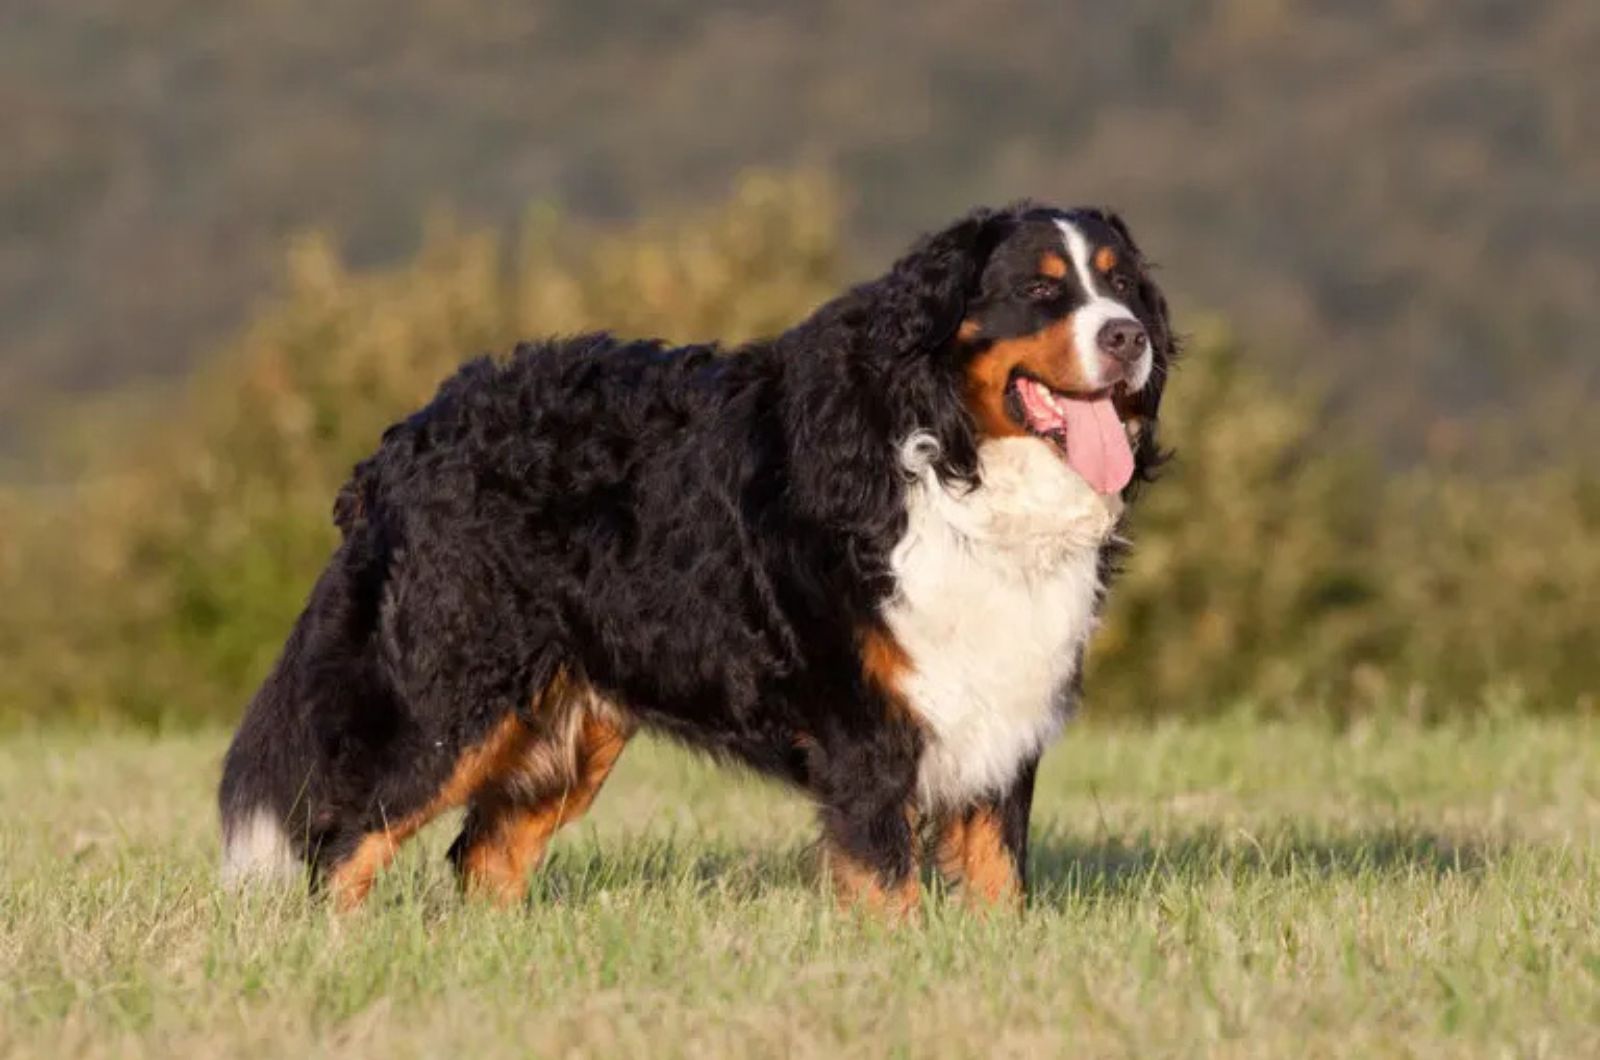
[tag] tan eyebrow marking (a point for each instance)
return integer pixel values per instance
(1053, 265)
(1105, 259)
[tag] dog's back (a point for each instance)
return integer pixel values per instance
(580, 512)
(733, 549)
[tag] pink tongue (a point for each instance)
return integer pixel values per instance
(1096, 444)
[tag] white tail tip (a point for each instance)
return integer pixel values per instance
(255, 849)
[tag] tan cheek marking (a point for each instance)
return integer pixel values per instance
(986, 382)
(1105, 259)
(1053, 266)
(1048, 354)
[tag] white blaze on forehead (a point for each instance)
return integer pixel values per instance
(1096, 313)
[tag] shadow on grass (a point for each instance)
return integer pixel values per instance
(1067, 867)
(1064, 867)
(728, 872)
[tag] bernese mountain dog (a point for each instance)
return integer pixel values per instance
(864, 557)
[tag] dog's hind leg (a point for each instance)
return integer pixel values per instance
(485, 765)
(510, 824)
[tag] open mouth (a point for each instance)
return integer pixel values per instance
(1084, 428)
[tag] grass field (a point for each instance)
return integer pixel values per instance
(1229, 889)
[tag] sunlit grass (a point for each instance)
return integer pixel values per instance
(1228, 889)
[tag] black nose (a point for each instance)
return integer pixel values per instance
(1122, 339)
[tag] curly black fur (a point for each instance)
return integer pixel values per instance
(701, 535)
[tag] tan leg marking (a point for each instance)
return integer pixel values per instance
(858, 886)
(351, 880)
(972, 853)
(516, 831)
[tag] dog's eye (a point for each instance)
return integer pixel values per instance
(1040, 289)
(1120, 284)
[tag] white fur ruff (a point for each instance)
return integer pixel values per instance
(996, 591)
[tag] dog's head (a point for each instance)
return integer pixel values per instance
(1053, 327)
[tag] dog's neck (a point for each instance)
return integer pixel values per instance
(1028, 505)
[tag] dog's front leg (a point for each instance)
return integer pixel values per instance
(983, 848)
(869, 821)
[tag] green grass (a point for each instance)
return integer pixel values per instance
(1232, 889)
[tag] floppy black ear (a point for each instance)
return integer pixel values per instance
(859, 384)
(923, 298)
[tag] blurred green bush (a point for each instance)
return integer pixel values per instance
(1271, 570)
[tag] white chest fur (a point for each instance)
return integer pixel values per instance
(995, 595)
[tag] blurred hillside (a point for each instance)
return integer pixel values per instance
(1401, 199)
(1274, 567)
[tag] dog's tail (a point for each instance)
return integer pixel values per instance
(280, 775)
(268, 773)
